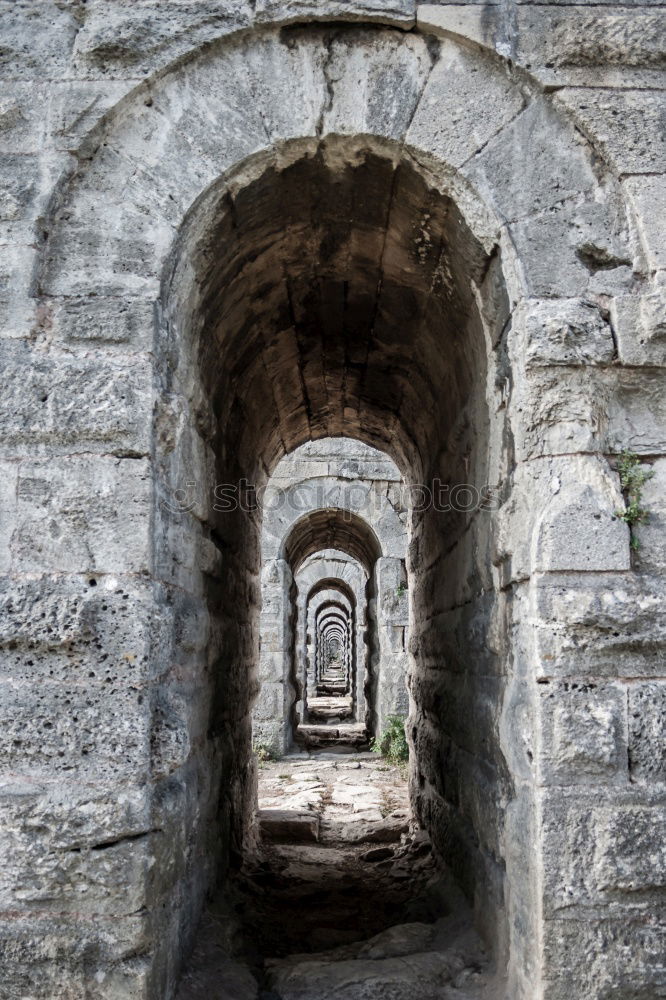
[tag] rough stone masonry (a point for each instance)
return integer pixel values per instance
(230, 227)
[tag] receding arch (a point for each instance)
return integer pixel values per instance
(332, 528)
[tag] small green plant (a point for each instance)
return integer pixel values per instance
(632, 480)
(392, 743)
(264, 752)
(401, 590)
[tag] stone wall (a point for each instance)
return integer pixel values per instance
(159, 255)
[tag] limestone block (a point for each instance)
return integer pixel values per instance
(269, 701)
(56, 729)
(580, 530)
(176, 722)
(653, 311)
(591, 957)
(37, 954)
(523, 171)
(647, 724)
(567, 333)
(105, 320)
(465, 103)
(599, 626)
(37, 38)
(360, 77)
(626, 125)
(287, 81)
(19, 184)
(132, 978)
(76, 108)
(8, 480)
(561, 415)
(475, 22)
(65, 404)
(22, 120)
(545, 245)
(137, 37)
(26, 189)
(108, 879)
(37, 962)
(582, 732)
(553, 39)
(637, 413)
(100, 630)
(82, 514)
(17, 305)
(401, 13)
(647, 196)
(650, 534)
(596, 853)
(630, 854)
(640, 328)
(218, 125)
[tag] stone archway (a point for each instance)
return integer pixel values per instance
(476, 276)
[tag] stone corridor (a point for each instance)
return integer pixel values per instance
(236, 231)
(339, 899)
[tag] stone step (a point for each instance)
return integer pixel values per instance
(282, 826)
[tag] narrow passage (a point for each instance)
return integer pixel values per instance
(341, 898)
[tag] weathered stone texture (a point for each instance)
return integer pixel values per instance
(227, 230)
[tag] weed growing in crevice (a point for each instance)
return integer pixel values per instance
(633, 478)
(392, 743)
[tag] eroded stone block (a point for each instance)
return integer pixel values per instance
(83, 514)
(647, 726)
(568, 333)
(582, 732)
(64, 404)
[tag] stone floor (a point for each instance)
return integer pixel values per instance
(341, 900)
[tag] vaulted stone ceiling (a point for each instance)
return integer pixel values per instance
(336, 298)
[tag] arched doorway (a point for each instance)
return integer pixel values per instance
(376, 218)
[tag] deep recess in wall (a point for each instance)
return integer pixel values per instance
(343, 288)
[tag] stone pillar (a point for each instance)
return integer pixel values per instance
(391, 696)
(271, 714)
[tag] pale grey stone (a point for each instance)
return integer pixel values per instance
(647, 718)
(401, 13)
(77, 108)
(8, 480)
(162, 173)
(110, 320)
(65, 403)
(521, 170)
(627, 126)
(360, 79)
(147, 34)
(567, 334)
(582, 733)
(636, 413)
(648, 199)
(615, 626)
(474, 22)
(82, 514)
(464, 104)
(37, 38)
(596, 949)
(636, 322)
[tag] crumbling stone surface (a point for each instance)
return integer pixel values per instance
(228, 229)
